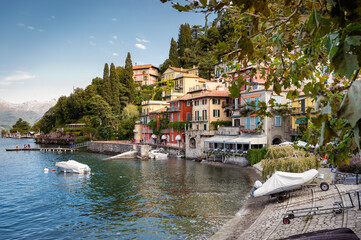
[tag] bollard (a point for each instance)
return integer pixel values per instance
(357, 172)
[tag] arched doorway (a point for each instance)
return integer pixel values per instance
(276, 141)
(192, 143)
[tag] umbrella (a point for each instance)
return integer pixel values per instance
(178, 137)
(164, 137)
(154, 136)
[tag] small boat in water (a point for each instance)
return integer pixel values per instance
(72, 166)
(157, 154)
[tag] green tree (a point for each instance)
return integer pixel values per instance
(184, 41)
(127, 79)
(20, 126)
(173, 53)
(114, 82)
(107, 86)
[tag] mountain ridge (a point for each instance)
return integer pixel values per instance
(30, 111)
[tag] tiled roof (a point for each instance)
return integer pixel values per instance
(183, 98)
(144, 66)
(214, 93)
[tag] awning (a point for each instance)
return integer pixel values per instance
(260, 139)
(301, 121)
(236, 116)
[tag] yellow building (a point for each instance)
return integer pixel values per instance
(299, 120)
(184, 83)
(172, 72)
(209, 107)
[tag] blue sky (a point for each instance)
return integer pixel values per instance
(50, 46)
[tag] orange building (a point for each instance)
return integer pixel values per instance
(145, 74)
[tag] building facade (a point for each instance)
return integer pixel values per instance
(145, 74)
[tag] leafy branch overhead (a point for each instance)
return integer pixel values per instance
(304, 47)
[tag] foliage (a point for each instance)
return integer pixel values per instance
(311, 47)
(165, 85)
(287, 159)
(4, 132)
(125, 131)
(223, 123)
(20, 126)
(178, 126)
(82, 139)
(255, 155)
(130, 112)
(173, 53)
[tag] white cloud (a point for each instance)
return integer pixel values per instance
(40, 30)
(31, 28)
(20, 24)
(111, 42)
(92, 43)
(91, 37)
(114, 19)
(142, 40)
(52, 17)
(115, 54)
(115, 37)
(140, 46)
(19, 76)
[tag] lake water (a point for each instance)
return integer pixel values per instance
(172, 199)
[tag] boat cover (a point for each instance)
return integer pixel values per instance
(72, 167)
(284, 181)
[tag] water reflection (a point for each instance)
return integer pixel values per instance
(174, 199)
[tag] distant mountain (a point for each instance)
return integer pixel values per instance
(30, 111)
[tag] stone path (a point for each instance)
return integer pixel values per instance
(269, 225)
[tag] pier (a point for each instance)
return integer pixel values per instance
(44, 149)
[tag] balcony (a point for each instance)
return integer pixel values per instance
(173, 109)
(197, 88)
(302, 110)
(199, 119)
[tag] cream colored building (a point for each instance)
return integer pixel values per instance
(145, 74)
(172, 72)
(209, 107)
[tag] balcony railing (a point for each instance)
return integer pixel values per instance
(173, 109)
(199, 119)
(302, 110)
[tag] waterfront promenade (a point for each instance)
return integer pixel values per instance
(261, 218)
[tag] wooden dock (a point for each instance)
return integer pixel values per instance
(44, 149)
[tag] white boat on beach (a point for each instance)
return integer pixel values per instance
(72, 166)
(283, 182)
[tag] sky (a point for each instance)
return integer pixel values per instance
(50, 47)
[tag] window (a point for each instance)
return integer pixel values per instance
(256, 121)
(205, 127)
(216, 113)
(172, 138)
(204, 114)
(178, 117)
(178, 104)
(278, 121)
(197, 127)
(248, 123)
(219, 101)
(172, 117)
(196, 117)
(204, 101)
(278, 100)
(188, 117)
(172, 130)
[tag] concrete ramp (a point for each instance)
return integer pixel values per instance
(126, 155)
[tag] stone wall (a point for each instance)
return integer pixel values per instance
(194, 143)
(110, 148)
(346, 178)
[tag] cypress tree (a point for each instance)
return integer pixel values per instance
(114, 82)
(107, 90)
(128, 77)
(173, 53)
(184, 41)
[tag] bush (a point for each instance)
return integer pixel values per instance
(256, 155)
(287, 159)
(82, 139)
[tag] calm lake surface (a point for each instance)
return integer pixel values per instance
(172, 199)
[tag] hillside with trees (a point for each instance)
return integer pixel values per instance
(110, 105)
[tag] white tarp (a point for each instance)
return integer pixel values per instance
(72, 166)
(284, 181)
